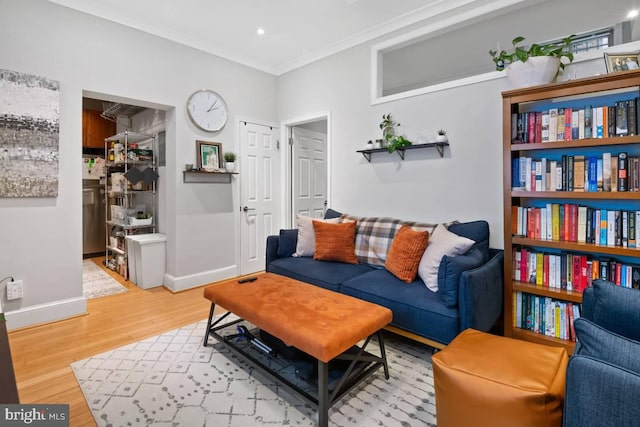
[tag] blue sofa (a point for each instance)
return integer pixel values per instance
(418, 312)
(603, 375)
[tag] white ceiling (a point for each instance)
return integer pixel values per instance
(297, 32)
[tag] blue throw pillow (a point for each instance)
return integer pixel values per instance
(330, 213)
(601, 344)
(616, 309)
(287, 243)
(449, 274)
(475, 230)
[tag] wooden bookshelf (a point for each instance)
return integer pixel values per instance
(588, 91)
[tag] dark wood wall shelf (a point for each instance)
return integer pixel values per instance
(204, 177)
(437, 145)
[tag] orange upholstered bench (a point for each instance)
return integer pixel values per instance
(483, 380)
(319, 322)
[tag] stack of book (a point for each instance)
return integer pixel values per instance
(568, 124)
(546, 316)
(579, 173)
(571, 271)
(580, 224)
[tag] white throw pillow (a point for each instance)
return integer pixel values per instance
(306, 235)
(442, 242)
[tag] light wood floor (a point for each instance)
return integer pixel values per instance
(42, 354)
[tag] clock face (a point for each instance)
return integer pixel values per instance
(207, 110)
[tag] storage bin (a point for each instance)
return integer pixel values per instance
(143, 221)
(146, 259)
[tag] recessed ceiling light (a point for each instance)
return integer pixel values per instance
(260, 31)
(632, 14)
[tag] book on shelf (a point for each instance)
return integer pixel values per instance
(610, 121)
(561, 117)
(571, 222)
(632, 119)
(606, 171)
(575, 125)
(545, 315)
(568, 125)
(620, 118)
(578, 173)
(599, 122)
(588, 121)
(622, 172)
(553, 124)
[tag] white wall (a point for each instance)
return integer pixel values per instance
(41, 239)
(464, 185)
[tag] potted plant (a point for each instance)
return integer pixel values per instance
(388, 127)
(539, 64)
(391, 141)
(442, 136)
(229, 161)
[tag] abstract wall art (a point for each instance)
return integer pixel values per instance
(29, 134)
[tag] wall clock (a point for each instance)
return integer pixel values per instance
(207, 110)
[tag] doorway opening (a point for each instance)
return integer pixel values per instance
(103, 117)
(307, 173)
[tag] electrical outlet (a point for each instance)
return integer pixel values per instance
(14, 290)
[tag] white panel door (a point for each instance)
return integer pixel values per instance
(309, 174)
(259, 193)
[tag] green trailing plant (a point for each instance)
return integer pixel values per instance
(519, 53)
(397, 142)
(388, 127)
(229, 156)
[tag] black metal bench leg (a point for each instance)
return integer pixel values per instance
(206, 334)
(383, 354)
(323, 394)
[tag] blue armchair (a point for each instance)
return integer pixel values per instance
(603, 375)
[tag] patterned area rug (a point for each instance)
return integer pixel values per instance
(96, 283)
(172, 380)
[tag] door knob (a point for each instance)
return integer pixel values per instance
(247, 208)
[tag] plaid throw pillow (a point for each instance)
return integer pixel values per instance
(374, 236)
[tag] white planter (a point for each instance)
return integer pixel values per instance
(229, 166)
(441, 138)
(537, 70)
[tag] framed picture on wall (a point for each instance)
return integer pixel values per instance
(620, 61)
(209, 155)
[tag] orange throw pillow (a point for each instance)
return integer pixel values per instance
(335, 242)
(406, 252)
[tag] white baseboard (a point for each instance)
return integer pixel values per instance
(176, 284)
(44, 313)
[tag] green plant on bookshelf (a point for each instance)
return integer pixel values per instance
(518, 53)
(535, 65)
